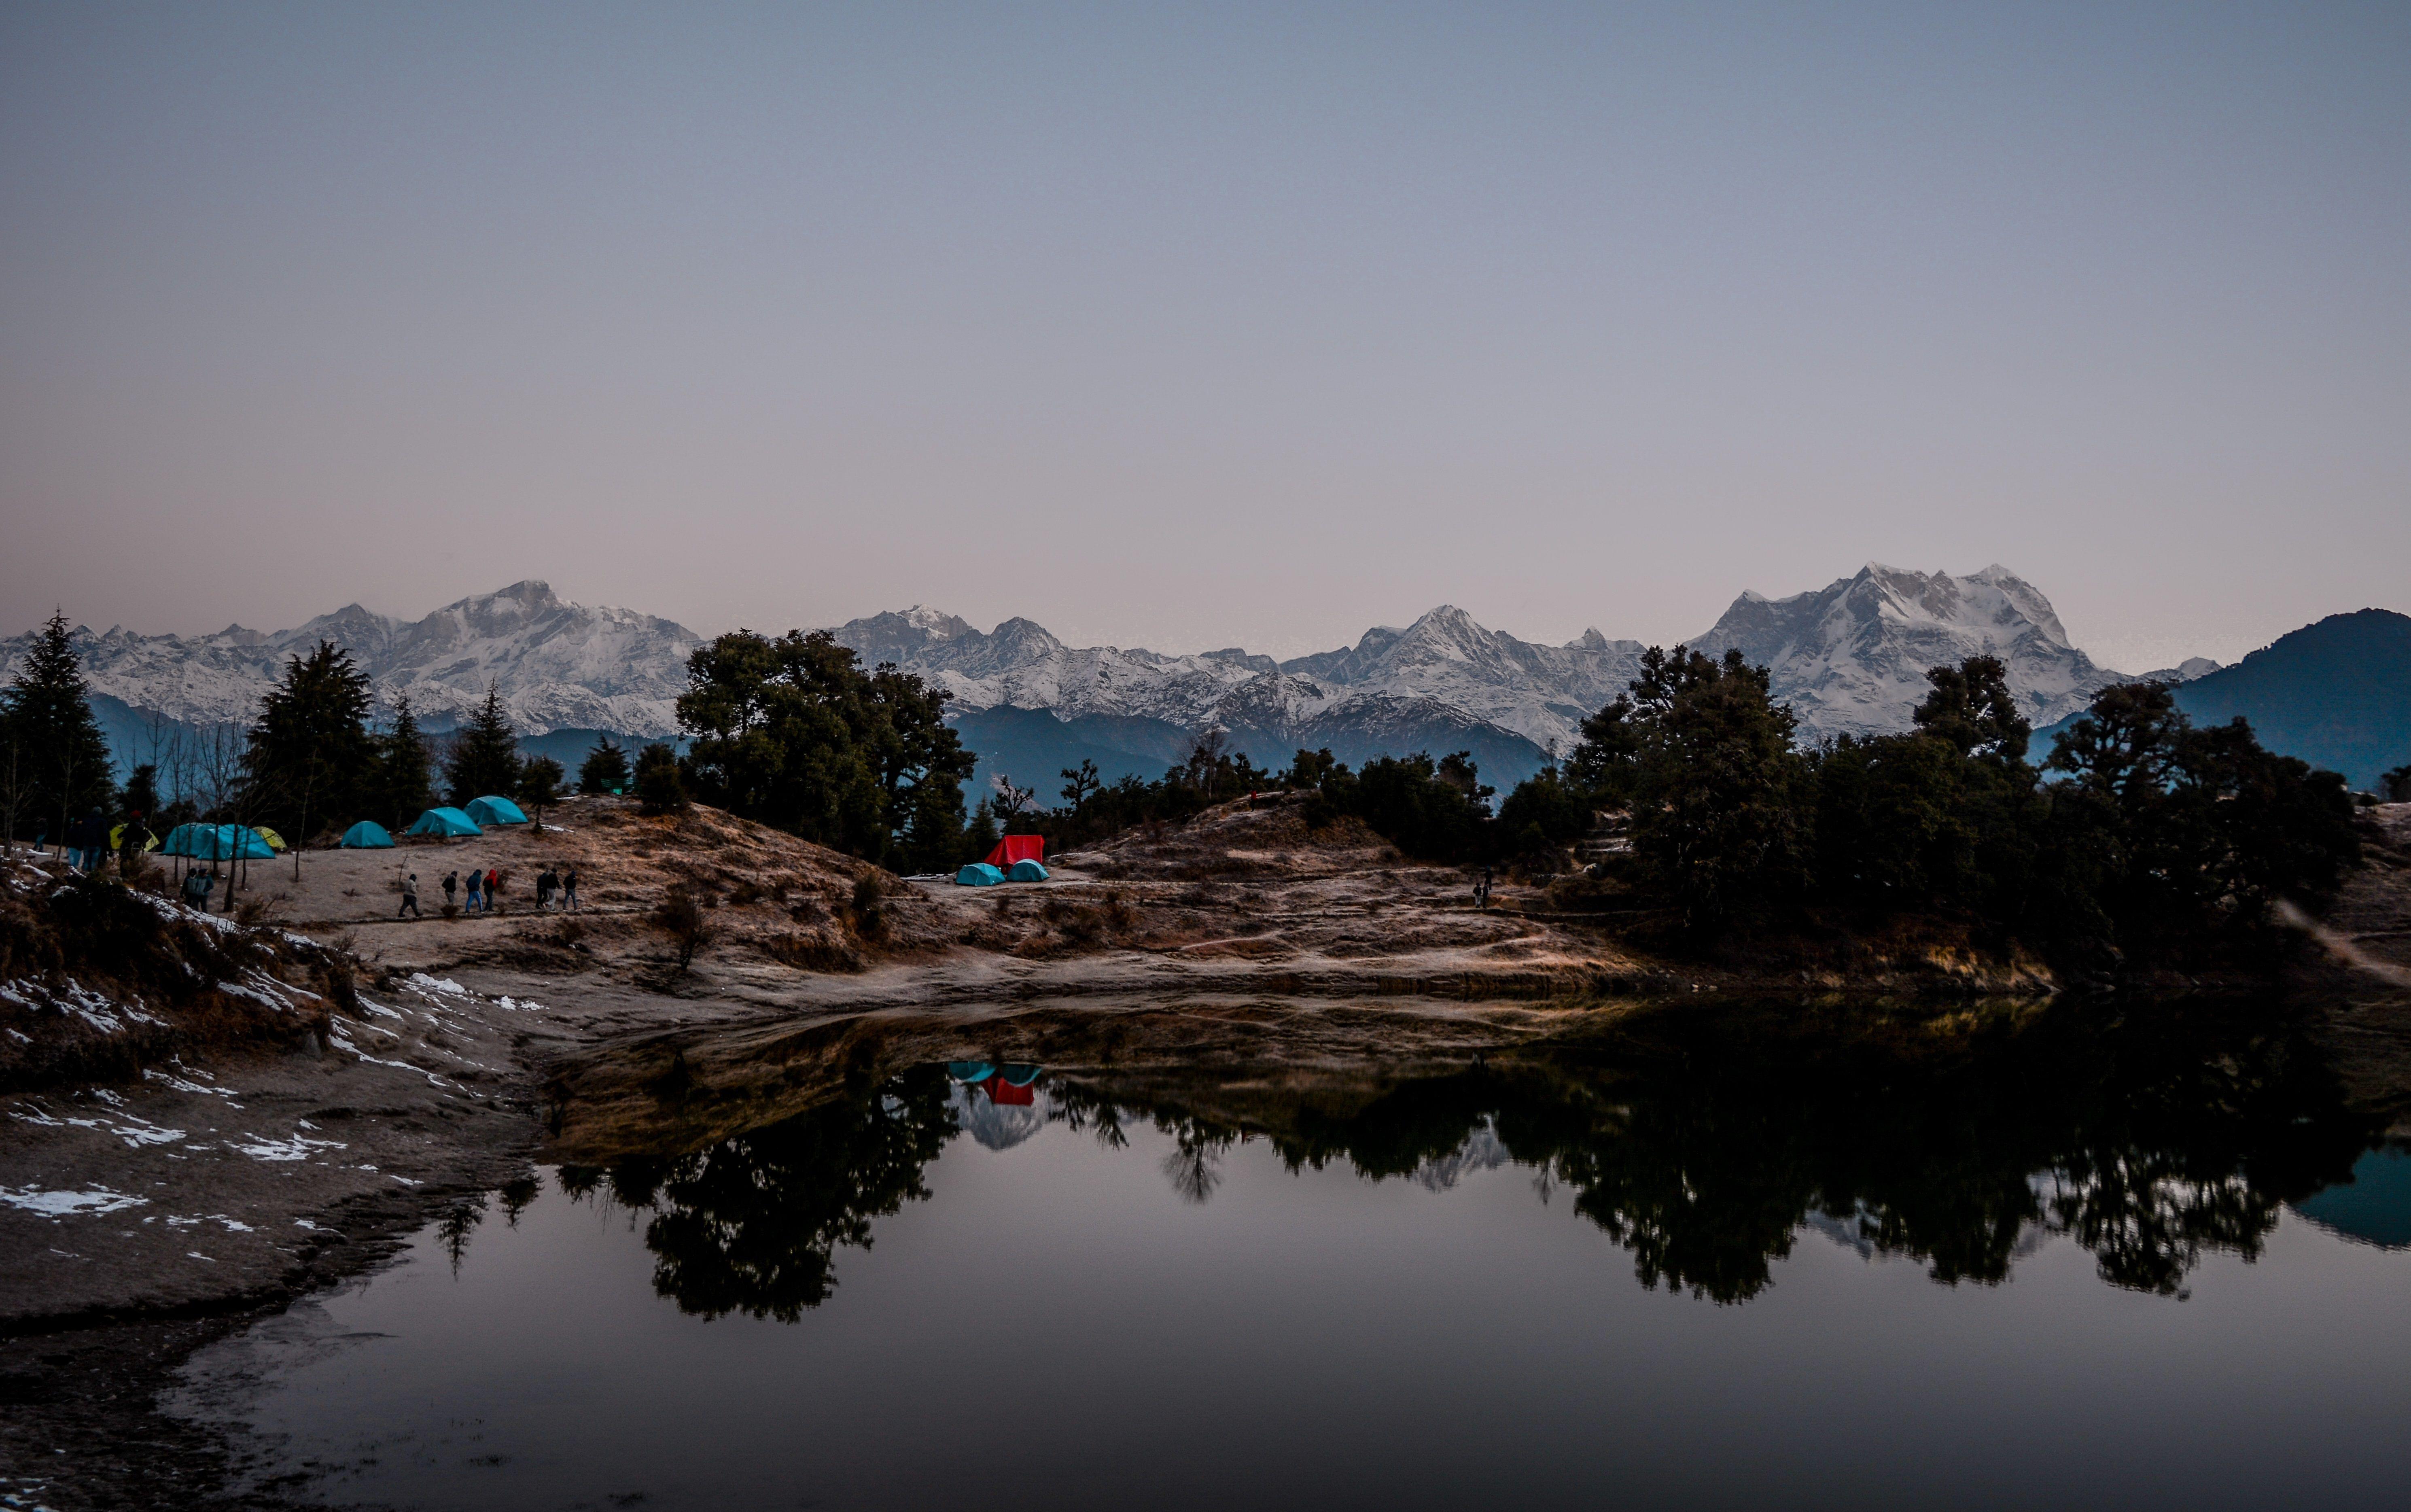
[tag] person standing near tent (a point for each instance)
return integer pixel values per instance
(451, 885)
(197, 889)
(409, 898)
(133, 840)
(569, 890)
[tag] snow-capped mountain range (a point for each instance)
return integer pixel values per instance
(557, 663)
(1850, 656)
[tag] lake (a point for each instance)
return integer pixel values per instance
(2141, 1261)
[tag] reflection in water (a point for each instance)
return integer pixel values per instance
(2373, 1205)
(1703, 1152)
(750, 1223)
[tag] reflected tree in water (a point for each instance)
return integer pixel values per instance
(2152, 1140)
(752, 1224)
(452, 1231)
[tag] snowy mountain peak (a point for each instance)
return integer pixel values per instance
(557, 665)
(1853, 658)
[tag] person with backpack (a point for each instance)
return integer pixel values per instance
(451, 885)
(476, 887)
(545, 881)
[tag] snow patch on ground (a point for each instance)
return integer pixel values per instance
(134, 1131)
(63, 1204)
(296, 1148)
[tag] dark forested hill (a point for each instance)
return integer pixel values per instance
(2336, 694)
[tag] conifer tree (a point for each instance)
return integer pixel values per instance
(485, 756)
(404, 778)
(62, 759)
(604, 768)
(311, 757)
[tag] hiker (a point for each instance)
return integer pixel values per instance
(493, 887)
(409, 898)
(476, 887)
(1482, 891)
(451, 885)
(197, 889)
(545, 881)
(96, 840)
(569, 890)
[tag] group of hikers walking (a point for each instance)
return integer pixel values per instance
(88, 843)
(484, 889)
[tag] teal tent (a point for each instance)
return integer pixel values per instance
(444, 822)
(974, 1071)
(1028, 871)
(978, 874)
(366, 835)
(1019, 1076)
(216, 843)
(492, 810)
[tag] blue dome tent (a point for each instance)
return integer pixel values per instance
(1019, 1076)
(978, 874)
(366, 835)
(216, 843)
(971, 1071)
(491, 810)
(1027, 872)
(444, 822)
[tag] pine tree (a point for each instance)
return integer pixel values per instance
(605, 769)
(485, 760)
(311, 757)
(404, 780)
(62, 759)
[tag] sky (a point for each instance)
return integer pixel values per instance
(1190, 326)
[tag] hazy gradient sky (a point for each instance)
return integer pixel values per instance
(1189, 327)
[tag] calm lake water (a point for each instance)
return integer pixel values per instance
(2138, 1264)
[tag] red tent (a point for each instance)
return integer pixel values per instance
(1013, 848)
(1005, 1094)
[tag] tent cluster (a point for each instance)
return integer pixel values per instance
(448, 823)
(1015, 858)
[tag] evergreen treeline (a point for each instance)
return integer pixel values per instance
(2152, 837)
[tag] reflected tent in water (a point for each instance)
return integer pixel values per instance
(1705, 1152)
